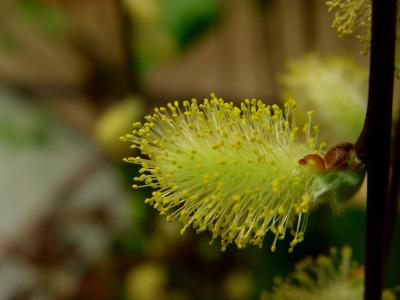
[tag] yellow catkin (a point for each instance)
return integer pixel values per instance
(329, 277)
(231, 170)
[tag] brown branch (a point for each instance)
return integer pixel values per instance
(374, 142)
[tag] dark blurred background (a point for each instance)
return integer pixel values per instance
(74, 76)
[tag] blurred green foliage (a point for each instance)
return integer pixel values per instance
(26, 133)
(187, 20)
(49, 19)
(164, 28)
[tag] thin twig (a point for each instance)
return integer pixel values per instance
(374, 142)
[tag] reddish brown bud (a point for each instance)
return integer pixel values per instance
(313, 160)
(337, 157)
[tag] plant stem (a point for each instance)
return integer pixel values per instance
(373, 144)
